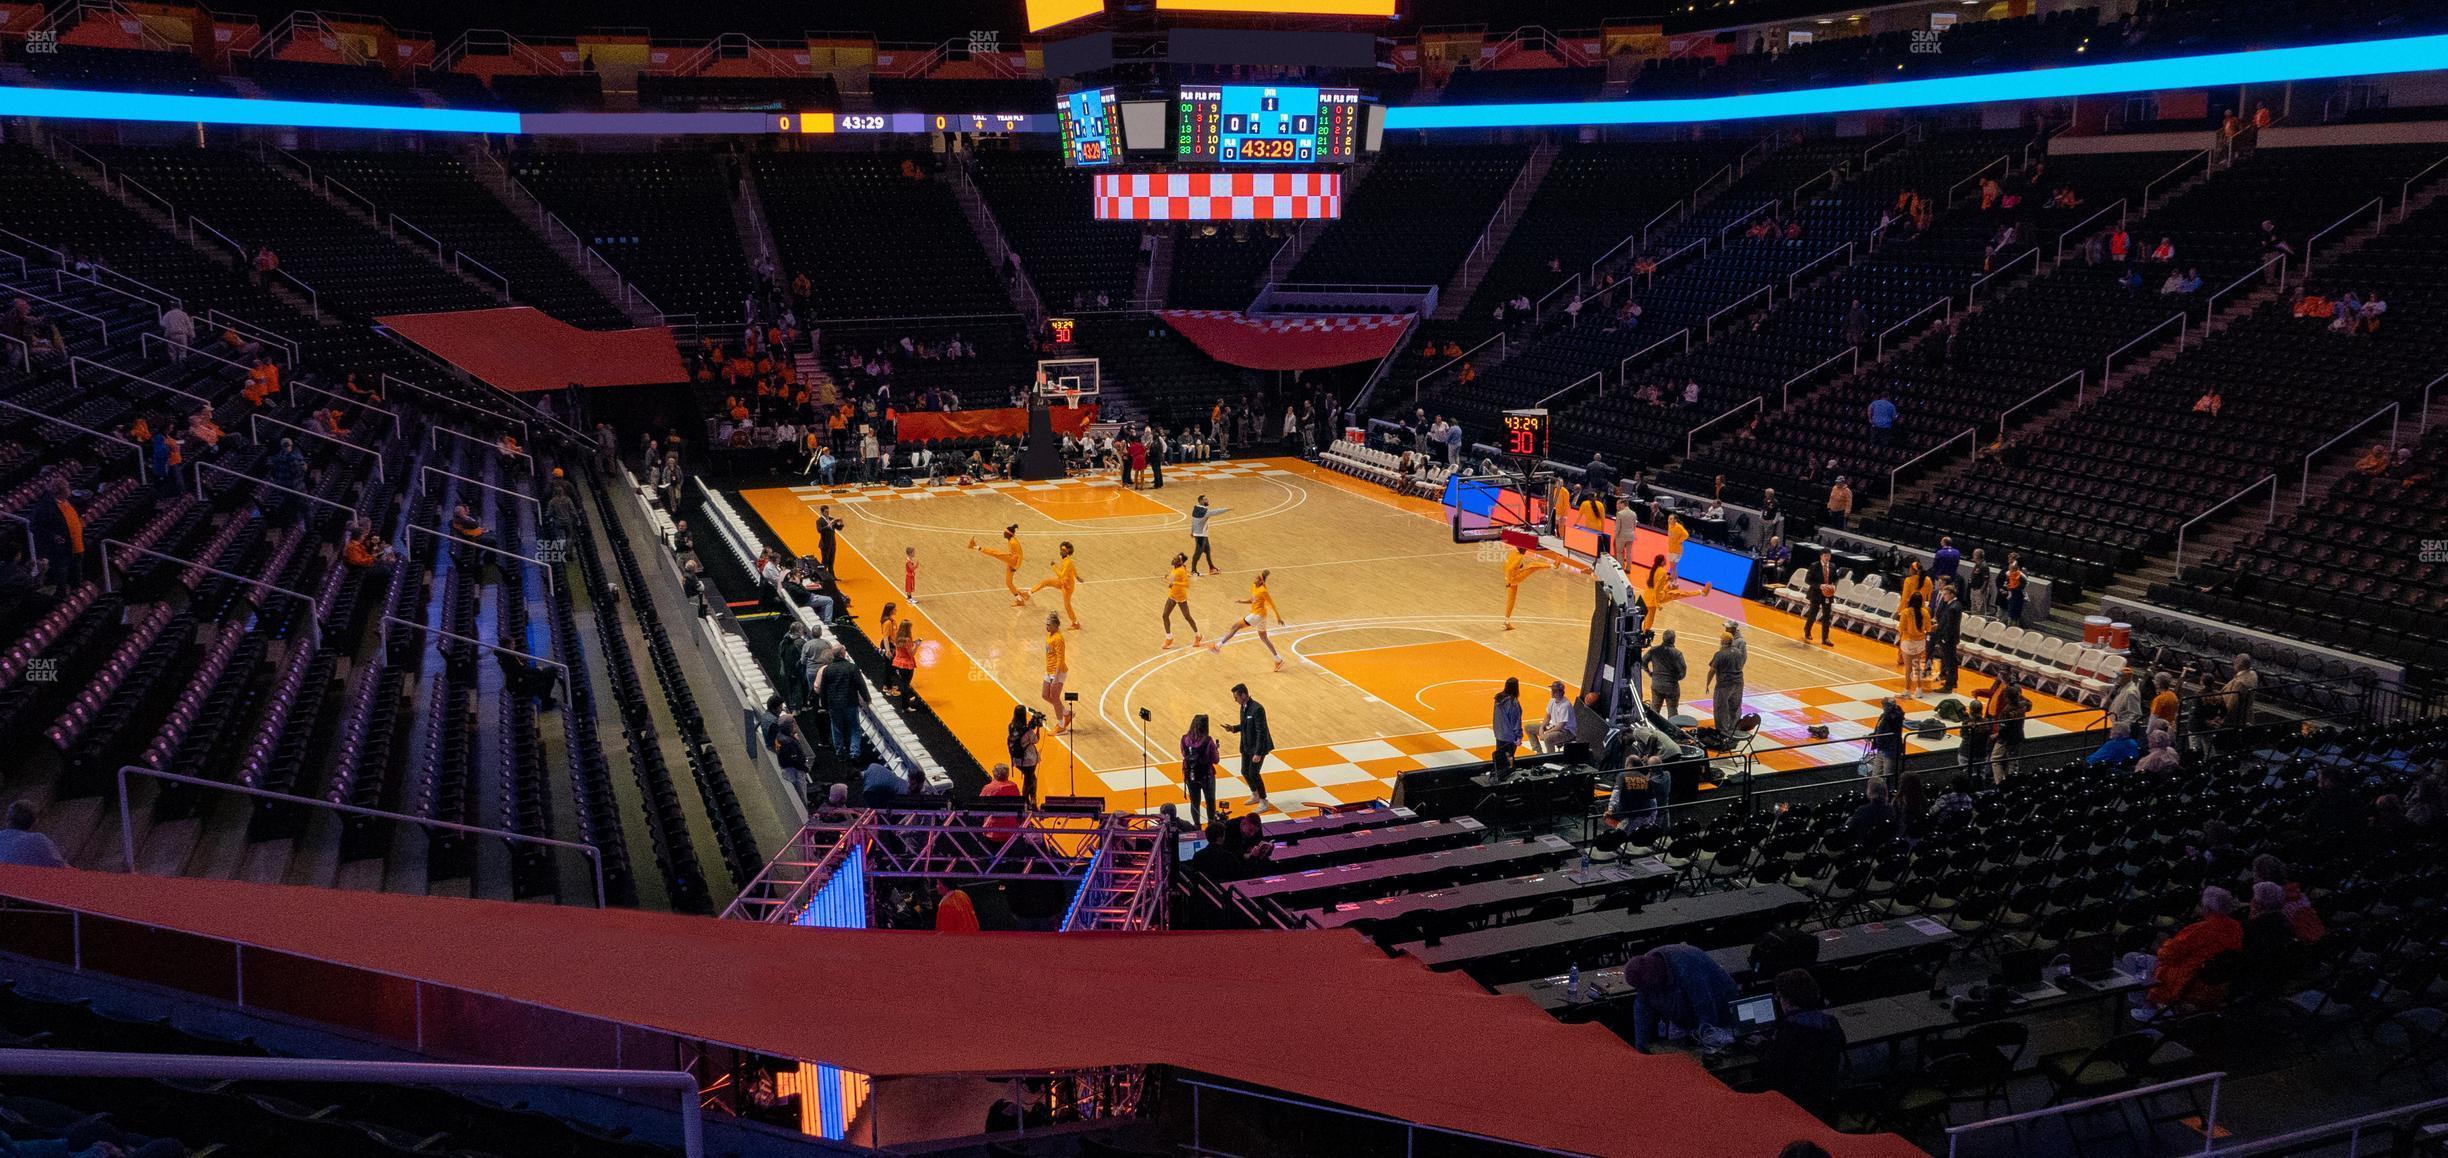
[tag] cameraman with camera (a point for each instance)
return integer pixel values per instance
(1020, 742)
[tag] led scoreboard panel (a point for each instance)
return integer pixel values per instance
(1087, 123)
(1526, 433)
(1247, 124)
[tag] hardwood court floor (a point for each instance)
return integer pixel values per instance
(1394, 648)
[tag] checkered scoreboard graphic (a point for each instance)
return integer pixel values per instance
(1218, 196)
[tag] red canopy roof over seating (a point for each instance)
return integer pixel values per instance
(522, 349)
(1319, 1014)
(1304, 342)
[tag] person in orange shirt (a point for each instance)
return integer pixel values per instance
(1261, 605)
(140, 431)
(331, 423)
(1057, 670)
(202, 428)
(1064, 579)
(1009, 557)
(1177, 595)
(1519, 565)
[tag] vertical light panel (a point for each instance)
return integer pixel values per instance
(841, 903)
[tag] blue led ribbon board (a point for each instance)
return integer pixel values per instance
(84, 105)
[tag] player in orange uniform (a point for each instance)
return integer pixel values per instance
(1064, 579)
(1010, 558)
(1261, 605)
(1057, 669)
(1661, 590)
(1519, 566)
(1177, 594)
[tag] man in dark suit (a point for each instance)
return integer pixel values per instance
(1256, 743)
(1820, 583)
(1946, 634)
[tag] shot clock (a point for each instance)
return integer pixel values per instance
(1526, 433)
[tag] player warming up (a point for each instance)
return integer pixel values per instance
(1177, 595)
(1064, 579)
(1058, 669)
(1009, 556)
(1261, 605)
(1519, 566)
(1661, 589)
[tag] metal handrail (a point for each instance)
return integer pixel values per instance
(1623, 367)
(2378, 218)
(1538, 309)
(2078, 378)
(2268, 480)
(127, 183)
(1691, 437)
(549, 572)
(396, 223)
(389, 379)
(2210, 304)
(314, 301)
(2293, 1141)
(76, 360)
(255, 421)
(460, 255)
(1946, 303)
(2428, 387)
(2005, 160)
(1785, 392)
(2119, 205)
(2396, 415)
(103, 271)
(1700, 244)
(1881, 143)
(358, 403)
(1795, 277)
(2181, 166)
(64, 308)
(60, 278)
(201, 467)
(2108, 364)
(1731, 226)
(2209, 1128)
(1418, 383)
(213, 1067)
(2405, 193)
(230, 321)
(1971, 432)
(1598, 376)
(143, 472)
(426, 473)
(435, 441)
(429, 629)
(57, 258)
(144, 342)
(1836, 175)
(314, 622)
(329, 184)
(195, 223)
(1972, 292)
(1708, 328)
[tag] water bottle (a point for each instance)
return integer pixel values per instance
(1585, 861)
(1572, 984)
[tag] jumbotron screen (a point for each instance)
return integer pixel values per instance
(1087, 123)
(1248, 124)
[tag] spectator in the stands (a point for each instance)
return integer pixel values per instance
(1691, 393)
(1839, 503)
(1680, 994)
(2118, 748)
(266, 263)
(179, 327)
(2163, 253)
(1882, 413)
(287, 470)
(2010, 588)
(2210, 402)
(21, 845)
(1804, 1054)
(1857, 324)
(880, 786)
(841, 691)
(2162, 755)
(1945, 559)
(464, 525)
(2175, 969)
(2165, 702)
(1877, 821)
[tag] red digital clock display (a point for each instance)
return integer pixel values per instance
(1526, 434)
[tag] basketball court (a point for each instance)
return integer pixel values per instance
(1394, 647)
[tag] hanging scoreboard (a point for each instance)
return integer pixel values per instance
(1086, 120)
(1240, 124)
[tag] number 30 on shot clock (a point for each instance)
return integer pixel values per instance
(1526, 432)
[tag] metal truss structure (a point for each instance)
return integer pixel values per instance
(1118, 861)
